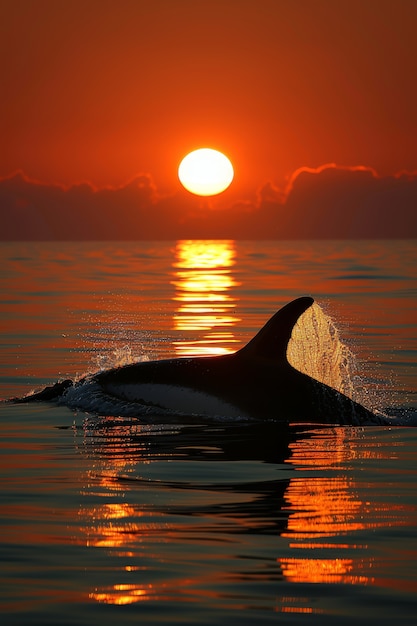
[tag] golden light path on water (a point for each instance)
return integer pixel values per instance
(204, 281)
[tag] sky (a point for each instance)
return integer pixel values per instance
(109, 92)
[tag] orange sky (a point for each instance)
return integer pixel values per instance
(102, 91)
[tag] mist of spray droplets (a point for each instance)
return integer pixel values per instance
(315, 349)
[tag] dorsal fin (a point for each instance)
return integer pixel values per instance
(272, 340)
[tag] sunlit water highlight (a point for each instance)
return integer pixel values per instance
(107, 519)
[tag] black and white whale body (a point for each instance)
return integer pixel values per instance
(257, 382)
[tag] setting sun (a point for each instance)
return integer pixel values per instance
(205, 172)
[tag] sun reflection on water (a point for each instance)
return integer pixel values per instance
(118, 525)
(203, 281)
(124, 593)
(325, 515)
(325, 507)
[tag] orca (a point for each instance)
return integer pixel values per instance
(256, 382)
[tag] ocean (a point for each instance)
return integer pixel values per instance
(198, 521)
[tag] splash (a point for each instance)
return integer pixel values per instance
(316, 349)
(120, 356)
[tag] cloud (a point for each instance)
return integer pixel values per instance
(326, 202)
(348, 202)
(327, 170)
(30, 210)
(269, 193)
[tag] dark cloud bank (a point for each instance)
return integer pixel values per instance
(329, 202)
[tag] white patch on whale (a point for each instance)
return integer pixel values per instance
(177, 398)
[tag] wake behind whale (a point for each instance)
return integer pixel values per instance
(256, 382)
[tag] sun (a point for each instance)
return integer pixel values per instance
(205, 172)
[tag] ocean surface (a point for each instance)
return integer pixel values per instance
(106, 519)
